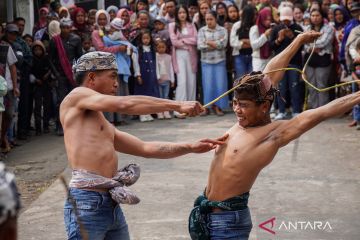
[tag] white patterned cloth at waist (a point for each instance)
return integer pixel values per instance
(126, 176)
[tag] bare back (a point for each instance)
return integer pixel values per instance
(237, 163)
(89, 138)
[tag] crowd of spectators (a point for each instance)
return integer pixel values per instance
(190, 50)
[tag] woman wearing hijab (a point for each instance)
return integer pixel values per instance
(63, 13)
(102, 24)
(259, 39)
(80, 27)
(43, 12)
(124, 14)
(112, 10)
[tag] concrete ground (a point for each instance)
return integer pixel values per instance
(314, 179)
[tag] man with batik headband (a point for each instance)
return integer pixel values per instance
(64, 49)
(91, 142)
(221, 212)
(9, 205)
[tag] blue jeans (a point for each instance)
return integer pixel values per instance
(101, 217)
(291, 88)
(214, 82)
(230, 225)
(164, 89)
(242, 65)
(356, 108)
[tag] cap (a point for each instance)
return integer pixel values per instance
(161, 19)
(286, 13)
(11, 27)
(66, 22)
(95, 61)
(117, 23)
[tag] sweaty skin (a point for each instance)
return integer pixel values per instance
(91, 141)
(254, 140)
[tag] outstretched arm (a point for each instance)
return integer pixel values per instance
(282, 60)
(87, 99)
(132, 145)
(287, 131)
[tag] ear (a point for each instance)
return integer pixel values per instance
(91, 78)
(265, 107)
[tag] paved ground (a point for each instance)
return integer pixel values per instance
(315, 179)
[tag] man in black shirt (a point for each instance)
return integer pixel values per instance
(291, 88)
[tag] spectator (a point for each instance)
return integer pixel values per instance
(87, 44)
(64, 13)
(221, 13)
(112, 10)
(42, 23)
(199, 18)
(240, 42)
(54, 28)
(91, 19)
(318, 70)
(193, 9)
(26, 98)
(64, 49)
(124, 14)
(183, 37)
(291, 87)
(142, 23)
(165, 74)
(41, 74)
(147, 84)
(28, 39)
(79, 24)
(259, 39)
(212, 43)
(9, 204)
(299, 15)
(170, 6)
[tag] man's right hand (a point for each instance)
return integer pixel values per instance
(191, 108)
(309, 37)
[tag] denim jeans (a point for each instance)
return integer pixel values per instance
(356, 108)
(242, 65)
(232, 225)
(101, 217)
(291, 88)
(164, 89)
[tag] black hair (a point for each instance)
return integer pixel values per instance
(247, 20)
(212, 13)
(140, 45)
(18, 19)
(237, 10)
(174, 1)
(28, 36)
(251, 89)
(80, 76)
(320, 12)
(177, 20)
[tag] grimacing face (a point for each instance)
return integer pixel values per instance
(248, 113)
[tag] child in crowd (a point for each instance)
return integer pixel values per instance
(147, 85)
(87, 44)
(41, 76)
(161, 32)
(164, 72)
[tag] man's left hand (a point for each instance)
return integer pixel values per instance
(191, 108)
(205, 145)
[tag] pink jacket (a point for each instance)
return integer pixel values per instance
(98, 43)
(187, 42)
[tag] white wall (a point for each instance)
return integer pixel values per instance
(25, 9)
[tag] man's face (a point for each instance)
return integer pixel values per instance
(170, 8)
(11, 36)
(248, 113)
(325, 6)
(21, 26)
(159, 26)
(104, 82)
(65, 30)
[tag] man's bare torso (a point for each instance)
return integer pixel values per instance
(237, 163)
(89, 139)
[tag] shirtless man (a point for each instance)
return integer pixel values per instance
(91, 143)
(222, 212)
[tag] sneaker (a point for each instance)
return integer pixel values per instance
(143, 118)
(279, 116)
(160, 115)
(149, 118)
(167, 115)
